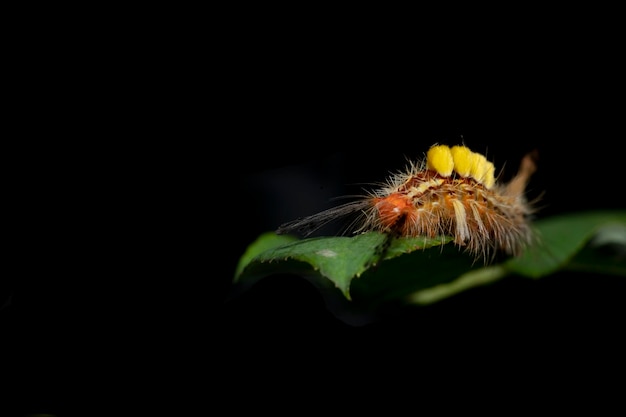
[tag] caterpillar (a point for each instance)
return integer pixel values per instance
(453, 191)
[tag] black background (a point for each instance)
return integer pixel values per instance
(128, 241)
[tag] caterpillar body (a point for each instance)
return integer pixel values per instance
(453, 192)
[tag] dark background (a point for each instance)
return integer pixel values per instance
(128, 243)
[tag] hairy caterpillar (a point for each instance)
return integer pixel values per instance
(452, 192)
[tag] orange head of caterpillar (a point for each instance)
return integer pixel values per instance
(393, 212)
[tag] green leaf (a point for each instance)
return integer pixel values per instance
(563, 237)
(263, 243)
(424, 271)
(339, 259)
